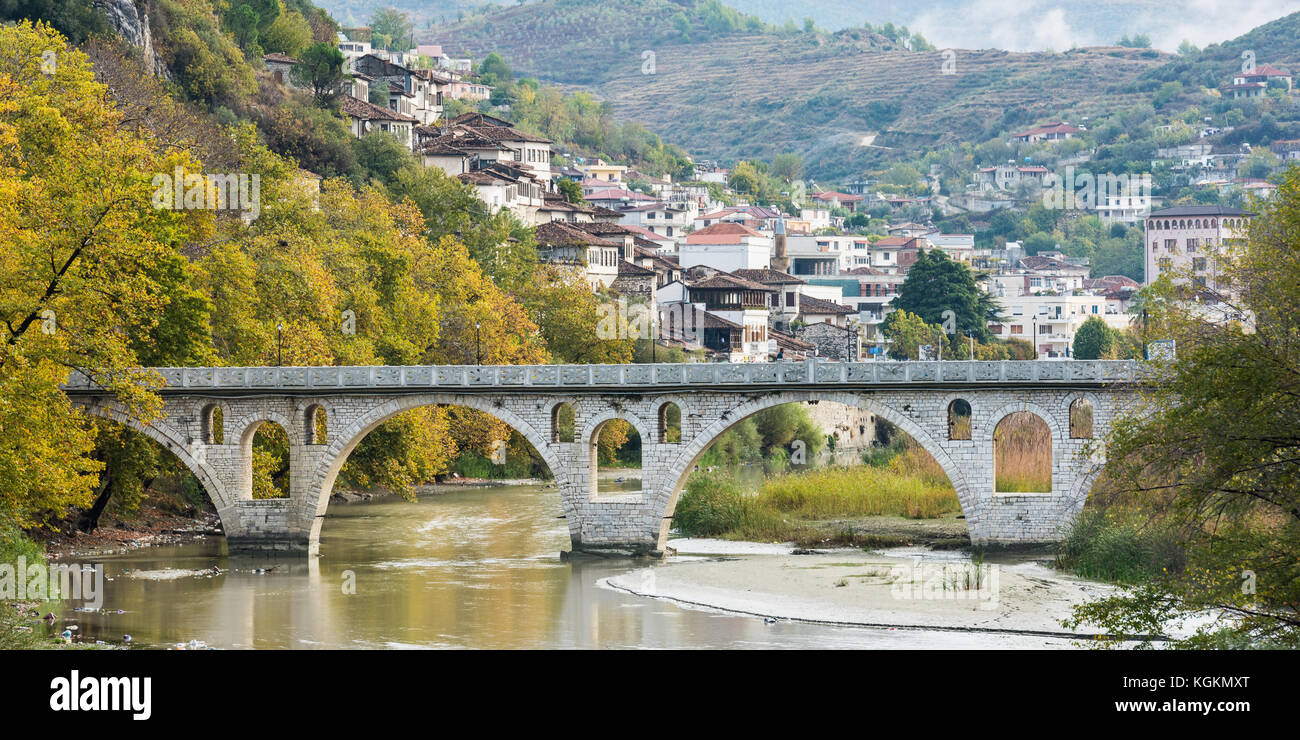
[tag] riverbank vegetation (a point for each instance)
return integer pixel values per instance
(400, 267)
(1206, 472)
(818, 506)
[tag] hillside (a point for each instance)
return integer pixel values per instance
(1029, 25)
(728, 93)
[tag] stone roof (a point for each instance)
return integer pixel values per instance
(728, 231)
(812, 304)
(631, 270)
(1198, 211)
(769, 276)
(559, 233)
(728, 281)
(367, 111)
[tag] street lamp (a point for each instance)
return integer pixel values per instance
(478, 345)
(654, 338)
(279, 334)
(1035, 336)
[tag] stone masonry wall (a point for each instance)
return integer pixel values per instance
(635, 522)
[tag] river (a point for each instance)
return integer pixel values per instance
(472, 568)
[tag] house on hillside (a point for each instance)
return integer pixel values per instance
(1050, 132)
(726, 246)
(364, 117)
(1254, 83)
(280, 65)
(1009, 177)
(565, 244)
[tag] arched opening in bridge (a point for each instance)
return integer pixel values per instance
(562, 423)
(959, 419)
(315, 422)
(615, 458)
(142, 474)
(409, 450)
(213, 430)
(670, 424)
(1081, 419)
(266, 446)
(1022, 454)
(815, 472)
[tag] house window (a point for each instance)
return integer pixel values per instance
(1017, 329)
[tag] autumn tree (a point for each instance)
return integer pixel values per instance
(78, 237)
(1212, 451)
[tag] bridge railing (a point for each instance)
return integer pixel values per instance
(802, 373)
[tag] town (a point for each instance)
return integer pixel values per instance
(651, 324)
(739, 281)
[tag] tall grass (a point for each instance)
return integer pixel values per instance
(1121, 545)
(841, 492)
(906, 482)
(1022, 450)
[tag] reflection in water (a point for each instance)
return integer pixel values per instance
(477, 568)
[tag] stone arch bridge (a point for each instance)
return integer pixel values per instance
(915, 396)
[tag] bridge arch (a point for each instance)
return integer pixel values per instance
(1052, 420)
(565, 407)
(312, 414)
(342, 442)
(189, 450)
(679, 469)
(594, 423)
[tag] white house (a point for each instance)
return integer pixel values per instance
(726, 247)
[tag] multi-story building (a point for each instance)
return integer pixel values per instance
(1187, 240)
(728, 247)
(1050, 322)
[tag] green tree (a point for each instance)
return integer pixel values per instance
(571, 191)
(1211, 453)
(321, 69)
(936, 284)
(906, 333)
(391, 29)
(1094, 340)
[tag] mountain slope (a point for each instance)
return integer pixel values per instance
(727, 93)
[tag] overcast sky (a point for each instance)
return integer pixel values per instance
(1023, 25)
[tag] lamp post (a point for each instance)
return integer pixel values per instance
(478, 345)
(1035, 336)
(1146, 355)
(279, 334)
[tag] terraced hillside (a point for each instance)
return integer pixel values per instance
(753, 98)
(841, 100)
